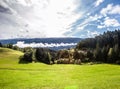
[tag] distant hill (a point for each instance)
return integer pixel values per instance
(46, 42)
(42, 40)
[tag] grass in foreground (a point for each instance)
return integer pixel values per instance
(42, 76)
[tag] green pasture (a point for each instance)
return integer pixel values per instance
(58, 76)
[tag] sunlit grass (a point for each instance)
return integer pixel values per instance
(42, 76)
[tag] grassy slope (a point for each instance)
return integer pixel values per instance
(41, 76)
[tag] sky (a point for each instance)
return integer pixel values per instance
(58, 18)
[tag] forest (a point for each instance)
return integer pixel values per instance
(104, 48)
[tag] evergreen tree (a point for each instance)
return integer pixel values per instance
(104, 54)
(90, 55)
(116, 52)
(97, 53)
(0, 44)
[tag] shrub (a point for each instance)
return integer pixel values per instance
(27, 57)
(15, 47)
(78, 55)
(45, 55)
(89, 55)
(77, 61)
(63, 54)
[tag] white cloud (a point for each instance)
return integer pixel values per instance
(98, 2)
(108, 22)
(92, 33)
(104, 11)
(21, 44)
(95, 17)
(115, 10)
(41, 18)
(111, 22)
(110, 9)
(85, 23)
(101, 26)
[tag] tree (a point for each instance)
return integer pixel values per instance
(45, 55)
(0, 44)
(116, 51)
(90, 55)
(111, 55)
(10, 46)
(104, 54)
(15, 47)
(27, 57)
(97, 53)
(63, 54)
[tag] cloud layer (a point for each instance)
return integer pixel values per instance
(21, 44)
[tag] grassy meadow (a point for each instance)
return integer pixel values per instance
(59, 76)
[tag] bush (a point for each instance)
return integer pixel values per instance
(27, 57)
(63, 61)
(45, 55)
(77, 61)
(27, 49)
(15, 48)
(78, 55)
(10, 46)
(62, 54)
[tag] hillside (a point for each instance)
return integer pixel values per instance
(9, 57)
(42, 76)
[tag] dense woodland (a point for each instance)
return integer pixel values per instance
(104, 48)
(101, 49)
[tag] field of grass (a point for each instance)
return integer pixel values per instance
(42, 76)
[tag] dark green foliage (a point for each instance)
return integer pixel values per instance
(116, 52)
(27, 57)
(77, 55)
(104, 54)
(105, 48)
(98, 53)
(90, 55)
(0, 44)
(15, 48)
(109, 38)
(45, 55)
(63, 54)
(26, 49)
(10, 46)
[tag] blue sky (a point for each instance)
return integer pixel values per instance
(58, 18)
(98, 16)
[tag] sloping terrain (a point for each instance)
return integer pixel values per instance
(9, 57)
(42, 76)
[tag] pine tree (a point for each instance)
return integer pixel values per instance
(0, 44)
(104, 54)
(97, 53)
(116, 52)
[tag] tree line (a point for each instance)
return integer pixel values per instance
(104, 48)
